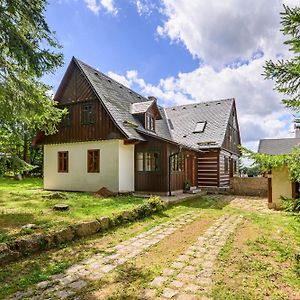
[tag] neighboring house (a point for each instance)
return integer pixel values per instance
(279, 183)
(116, 138)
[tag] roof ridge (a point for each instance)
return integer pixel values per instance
(286, 138)
(114, 81)
(204, 102)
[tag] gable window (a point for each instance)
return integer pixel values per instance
(226, 165)
(200, 126)
(148, 161)
(177, 163)
(63, 161)
(93, 161)
(67, 119)
(88, 113)
(149, 122)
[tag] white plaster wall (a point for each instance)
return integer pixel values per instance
(78, 179)
(126, 167)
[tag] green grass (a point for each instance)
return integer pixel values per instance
(261, 262)
(22, 202)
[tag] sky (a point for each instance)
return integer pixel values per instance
(183, 51)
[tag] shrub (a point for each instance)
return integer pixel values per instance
(291, 205)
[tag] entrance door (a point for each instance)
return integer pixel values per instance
(191, 169)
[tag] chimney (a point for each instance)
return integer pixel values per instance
(297, 128)
(152, 98)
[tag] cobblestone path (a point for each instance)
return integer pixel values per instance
(77, 277)
(190, 275)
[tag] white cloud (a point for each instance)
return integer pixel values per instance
(95, 6)
(145, 7)
(109, 5)
(220, 32)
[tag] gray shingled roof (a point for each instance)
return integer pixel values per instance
(277, 146)
(177, 123)
(185, 117)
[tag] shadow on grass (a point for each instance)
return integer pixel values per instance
(206, 202)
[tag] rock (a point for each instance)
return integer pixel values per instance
(56, 195)
(127, 215)
(6, 254)
(31, 243)
(87, 228)
(104, 192)
(30, 226)
(104, 222)
(64, 235)
(61, 207)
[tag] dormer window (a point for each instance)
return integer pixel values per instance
(149, 122)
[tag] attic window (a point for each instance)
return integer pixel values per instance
(200, 126)
(108, 80)
(184, 107)
(96, 73)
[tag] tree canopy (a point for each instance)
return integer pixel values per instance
(29, 50)
(286, 73)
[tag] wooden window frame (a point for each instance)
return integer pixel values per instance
(226, 163)
(157, 161)
(63, 161)
(94, 165)
(149, 122)
(178, 163)
(88, 116)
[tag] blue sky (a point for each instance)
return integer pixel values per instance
(182, 51)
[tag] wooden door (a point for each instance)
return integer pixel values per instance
(191, 169)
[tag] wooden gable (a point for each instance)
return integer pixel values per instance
(232, 138)
(73, 93)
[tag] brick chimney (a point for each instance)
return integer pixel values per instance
(152, 98)
(297, 128)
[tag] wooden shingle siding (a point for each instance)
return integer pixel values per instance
(208, 169)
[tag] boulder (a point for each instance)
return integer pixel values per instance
(28, 244)
(104, 222)
(63, 235)
(56, 195)
(6, 254)
(87, 228)
(29, 226)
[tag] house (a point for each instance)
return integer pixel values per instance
(279, 183)
(116, 138)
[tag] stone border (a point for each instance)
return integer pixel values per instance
(21, 247)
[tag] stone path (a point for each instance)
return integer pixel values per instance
(252, 204)
(77, 277)
(190, 275)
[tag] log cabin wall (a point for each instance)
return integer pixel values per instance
(74, 92)
(208, 168)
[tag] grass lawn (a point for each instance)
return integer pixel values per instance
(22, 202)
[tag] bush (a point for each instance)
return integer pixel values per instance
(291, 205)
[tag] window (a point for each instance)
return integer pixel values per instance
(63, 162)
(149, 122)
(177, 163)
(200, 126)
(226, 165)
(148, 161)
(88, 115)
(67, 119)
(93, 163)
(234, 166)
